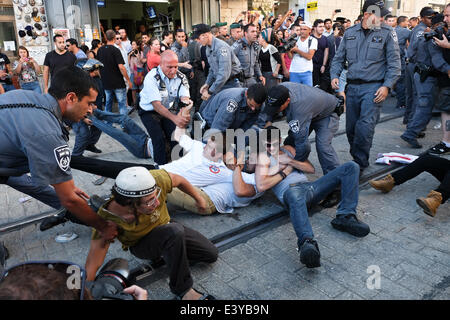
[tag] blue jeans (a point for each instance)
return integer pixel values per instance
(8, 87)
(424, 107)
(121, 96)
(45, 194)
(300, 196)
(33, 86)
(85, 136)
(362, 115)
(304, 77)
(132, 137)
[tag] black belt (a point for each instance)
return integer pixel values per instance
(359, 81)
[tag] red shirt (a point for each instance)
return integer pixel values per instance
(153, 60)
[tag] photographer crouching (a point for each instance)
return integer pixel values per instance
(439, 48)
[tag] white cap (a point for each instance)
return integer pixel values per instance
(307, 24)
(135, 182)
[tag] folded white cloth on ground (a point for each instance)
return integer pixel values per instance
(386, 158)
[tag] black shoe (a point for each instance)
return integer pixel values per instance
(349, 223)
(52, 221)
(439, 149)
(93, 149)
(310, 254)
(332, 199)
(412, 142)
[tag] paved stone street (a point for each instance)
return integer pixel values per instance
(407, 248)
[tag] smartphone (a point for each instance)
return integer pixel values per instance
(337, 10)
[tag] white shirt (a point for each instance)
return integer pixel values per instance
(125, 58)
(200, 171)
(300, 64)
(127, 45)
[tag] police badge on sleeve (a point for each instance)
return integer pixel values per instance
(62, 155)
(295, 126)
(232, 106)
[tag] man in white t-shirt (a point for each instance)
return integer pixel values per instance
(302, 66)
(204, 168)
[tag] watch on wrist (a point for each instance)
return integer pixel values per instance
(283, 175)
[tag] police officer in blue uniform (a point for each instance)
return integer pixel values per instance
(425, 80)
(307, 109)
(373, 56)
(165, 92)
(234, 108)
(426, 14)
(247, 51)
(403, 36)
(33, 139)
(224, 67)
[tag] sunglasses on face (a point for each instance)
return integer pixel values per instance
(152, 202)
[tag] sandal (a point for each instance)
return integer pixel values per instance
(205, 296)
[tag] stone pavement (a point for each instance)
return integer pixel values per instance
(409, 249)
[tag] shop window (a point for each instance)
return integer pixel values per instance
(8, 38)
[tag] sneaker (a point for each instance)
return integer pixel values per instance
(412, 142)
(439, 149)
(350, 224)
(66, 237)
(310, 254)
(52, 221)
(93, 149)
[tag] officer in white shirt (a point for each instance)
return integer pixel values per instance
(165, 91)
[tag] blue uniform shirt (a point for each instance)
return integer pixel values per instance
(228, 110)
(307, 104)
(223, 64)
(167, 93)
(403, 35)
(32, 140)
(375, 57)
(248, 57)
(416, 34)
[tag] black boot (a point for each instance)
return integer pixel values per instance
(52, 221)
(310, 254)
(349, 223)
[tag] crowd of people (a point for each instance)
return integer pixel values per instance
(189, 90)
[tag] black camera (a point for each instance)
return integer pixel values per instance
(439, 33)
(111, 280)
(290, 43)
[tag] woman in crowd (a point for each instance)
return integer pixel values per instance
(269, 57)
(137, 68)
(96, 44)
(27, 69)
(154, 55)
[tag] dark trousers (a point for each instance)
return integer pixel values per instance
(109, 169)
(160, 130)
(322, 79)
(438, 167)
(178, 245)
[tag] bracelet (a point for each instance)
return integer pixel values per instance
(283, 175)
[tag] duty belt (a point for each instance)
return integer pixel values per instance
(360, 81)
